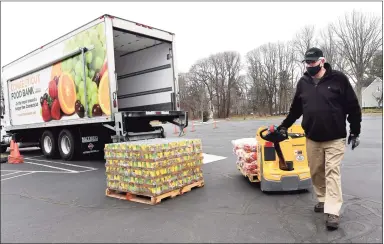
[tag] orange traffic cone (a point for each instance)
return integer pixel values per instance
(12, 147)
(193, 127)
(214, 124)
(175, 132)
(15, 157)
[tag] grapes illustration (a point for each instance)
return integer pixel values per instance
(94, 59)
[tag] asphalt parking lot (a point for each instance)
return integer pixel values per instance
(56, 201)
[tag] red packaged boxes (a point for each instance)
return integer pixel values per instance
(246, 151)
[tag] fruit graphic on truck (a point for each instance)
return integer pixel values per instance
(65, 94)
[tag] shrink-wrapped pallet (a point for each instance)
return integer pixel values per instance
(246, 151)
(153, 167)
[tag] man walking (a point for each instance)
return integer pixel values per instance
(326, 100)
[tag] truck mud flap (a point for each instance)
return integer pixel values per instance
(92, 139)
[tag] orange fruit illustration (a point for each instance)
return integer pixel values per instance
(56, 70)
(104, 99)
(67, 94)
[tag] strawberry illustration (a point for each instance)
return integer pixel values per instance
(46, 113)
(55, 109)
(52, 89)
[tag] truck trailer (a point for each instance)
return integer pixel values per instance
(104, 82)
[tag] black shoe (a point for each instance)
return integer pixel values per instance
(332, 222)
(319, 208)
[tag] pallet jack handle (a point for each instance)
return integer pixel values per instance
(276, 137)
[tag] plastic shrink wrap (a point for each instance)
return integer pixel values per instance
(246, 151)
(153, 167)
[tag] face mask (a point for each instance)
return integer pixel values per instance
(314, 70)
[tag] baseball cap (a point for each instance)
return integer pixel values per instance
(313, 54)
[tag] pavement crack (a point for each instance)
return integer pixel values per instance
(366, 231)
(285, 223)
(247, 205)
(372, 210)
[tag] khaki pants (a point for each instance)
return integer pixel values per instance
(324, 160)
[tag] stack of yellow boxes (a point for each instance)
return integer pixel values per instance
(153, 167)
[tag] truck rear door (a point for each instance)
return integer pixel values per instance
(144, 67)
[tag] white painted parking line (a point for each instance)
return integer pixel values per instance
(53, 167)
(209, 158)
(16, 176)
(87, 170)
(11, 173)
(74, 165)
(40, 171)
(39, 156)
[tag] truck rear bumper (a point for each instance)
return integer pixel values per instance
(287, 183)
(163, 116)
(136, 125)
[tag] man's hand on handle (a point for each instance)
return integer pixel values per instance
(283, 131)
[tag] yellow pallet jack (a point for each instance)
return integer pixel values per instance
(282, 161)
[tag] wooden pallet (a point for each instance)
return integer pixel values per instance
(152, 200)
(251, 177)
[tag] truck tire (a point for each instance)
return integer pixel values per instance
(48, 144)
(66, 144)
(3, 149)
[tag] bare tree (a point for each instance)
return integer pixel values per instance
(359, 37)
(232, 62)
(217, 77)
(200, 73)
(262, 68)
(375, 68)
(219, 73)
(285, 67)
(304, 39)
(192, 96)
(239, 97)
(256, 94)
(270, 73)
(328, 42)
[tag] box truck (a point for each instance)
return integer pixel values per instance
(103, 82)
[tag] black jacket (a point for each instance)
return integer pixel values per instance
(325, 106)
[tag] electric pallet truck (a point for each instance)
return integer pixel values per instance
(281, 160)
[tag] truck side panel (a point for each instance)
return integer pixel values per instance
(111, 65)
(42, 55)
(64, 91)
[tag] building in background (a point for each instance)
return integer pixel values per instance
(372, 95)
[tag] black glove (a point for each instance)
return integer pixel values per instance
(354, 139)
(283, 131)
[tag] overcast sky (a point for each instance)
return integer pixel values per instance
(201, 28)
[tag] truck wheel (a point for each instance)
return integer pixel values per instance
(66, 145)
(48, 144)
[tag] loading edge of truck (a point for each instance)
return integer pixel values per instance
(66, 138)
